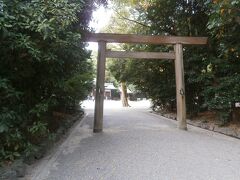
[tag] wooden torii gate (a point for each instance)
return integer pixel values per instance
(177, 55)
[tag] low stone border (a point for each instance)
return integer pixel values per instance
(204, 125)
(18, 168)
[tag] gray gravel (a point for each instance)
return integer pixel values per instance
(138, 145)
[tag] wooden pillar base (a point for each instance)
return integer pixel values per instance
(182, 127)
(97, 130)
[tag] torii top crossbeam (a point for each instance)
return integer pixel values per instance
(143, 39)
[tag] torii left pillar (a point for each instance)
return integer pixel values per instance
(99, 97)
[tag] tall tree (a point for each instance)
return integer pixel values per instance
(119, 70)
(172, 17)
(123, 21)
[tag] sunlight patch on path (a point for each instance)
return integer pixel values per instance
(110, 104)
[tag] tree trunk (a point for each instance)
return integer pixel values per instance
(124, 95)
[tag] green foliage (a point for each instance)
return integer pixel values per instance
(44, 65)
(10, 119)
(119, 68)
(77, 87)
(39, 128)
(224, 27)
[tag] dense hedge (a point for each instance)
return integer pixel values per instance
(44, 67)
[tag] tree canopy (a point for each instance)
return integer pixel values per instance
(211, 72)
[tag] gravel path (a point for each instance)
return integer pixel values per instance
(138, 145)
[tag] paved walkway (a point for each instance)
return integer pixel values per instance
(138, 145)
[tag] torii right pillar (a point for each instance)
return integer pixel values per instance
(180, 87)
